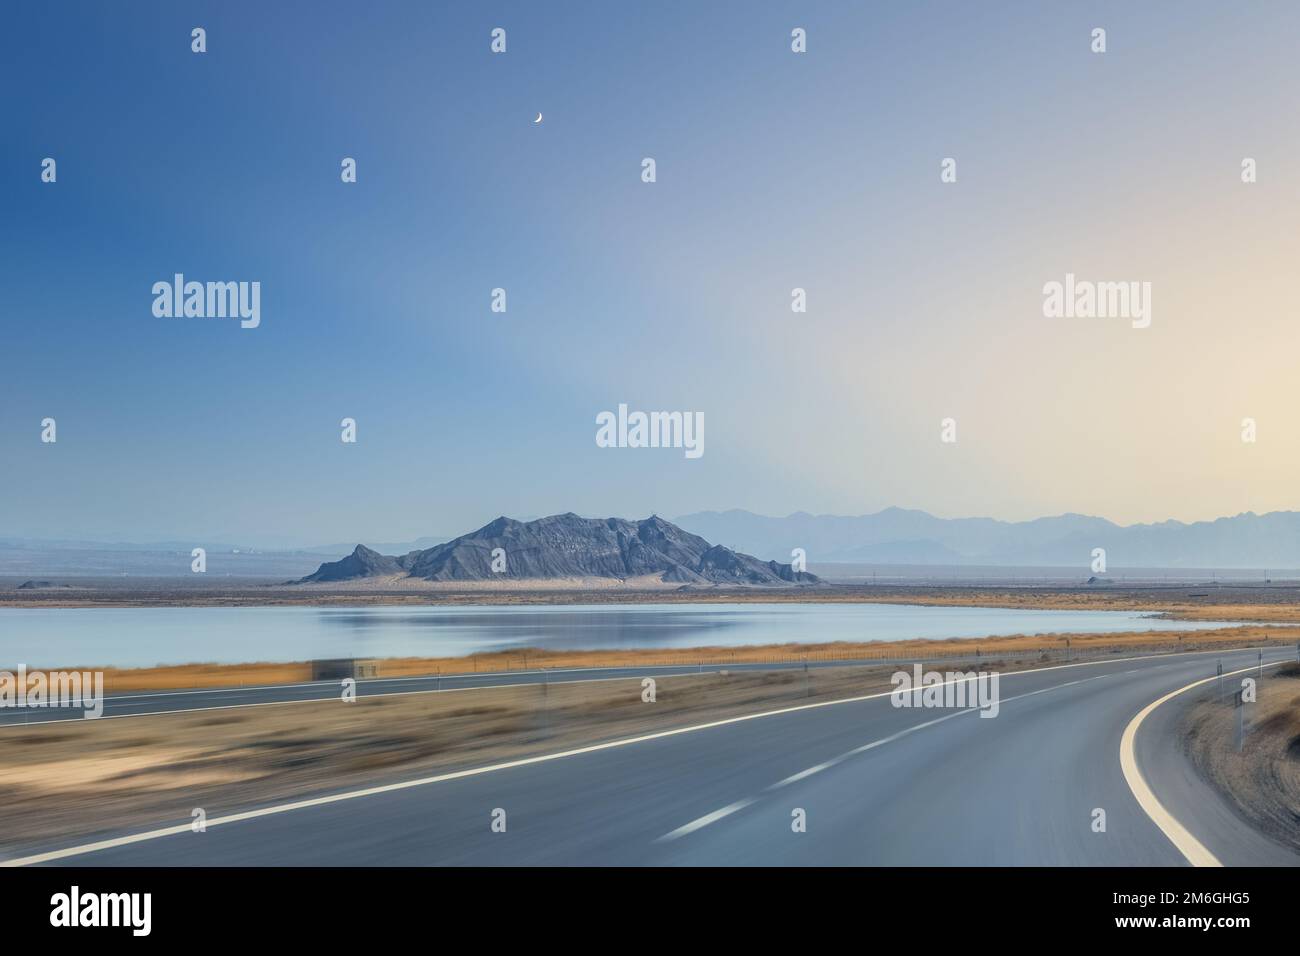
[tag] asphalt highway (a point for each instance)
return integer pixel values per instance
(873, 783)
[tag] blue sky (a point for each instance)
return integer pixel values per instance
(775, 170)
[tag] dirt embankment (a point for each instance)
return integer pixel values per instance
(1262, 780)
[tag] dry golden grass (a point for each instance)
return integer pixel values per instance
(233, 675)
(1263, 613)
(1280, 604)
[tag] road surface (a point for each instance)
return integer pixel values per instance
(877, 785)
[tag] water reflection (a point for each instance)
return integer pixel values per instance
(557, 629)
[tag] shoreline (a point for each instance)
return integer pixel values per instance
(202, 675)
(1248, 608)
(1235, 603)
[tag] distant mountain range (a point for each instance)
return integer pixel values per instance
(569, 547)
(895, 537)
(899, 536)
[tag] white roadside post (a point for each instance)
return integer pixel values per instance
(1240, 706)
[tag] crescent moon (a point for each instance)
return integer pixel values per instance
(538, 120)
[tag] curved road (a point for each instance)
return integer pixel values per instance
(879, 785)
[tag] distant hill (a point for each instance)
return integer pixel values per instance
(361, 563)
(569, 547)
(901, 536)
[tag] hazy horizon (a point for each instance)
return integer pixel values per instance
(313, 544)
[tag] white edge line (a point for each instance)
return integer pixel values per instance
(1186, 844)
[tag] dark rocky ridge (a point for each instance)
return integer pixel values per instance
(567, 546)
(361, 563)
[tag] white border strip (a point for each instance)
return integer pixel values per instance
(1186, 844)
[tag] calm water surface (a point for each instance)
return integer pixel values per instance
(140, 637)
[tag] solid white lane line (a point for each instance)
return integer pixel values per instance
(1186, 844)
(705, 820)
(423, 781)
